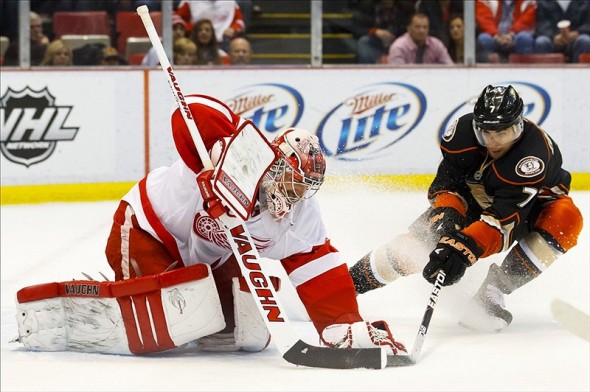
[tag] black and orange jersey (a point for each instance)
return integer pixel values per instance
(499, 194)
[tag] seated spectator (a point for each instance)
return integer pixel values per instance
(39, 42)
(208, 51)
(185, 52)
(110, 57)
(57, 54)
(240, 51)
(417, 47)
(457, 39)
(179, 30)
(376, 24)
(225, 16)
(505, 26)
(563, 27)
(439, 14)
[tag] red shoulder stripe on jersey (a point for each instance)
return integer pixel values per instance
(457, 151)
(166, 238)
(513, 182)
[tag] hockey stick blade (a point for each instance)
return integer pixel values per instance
(304, 354)
(400, 360)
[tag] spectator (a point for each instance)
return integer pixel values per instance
(376, 24)
(110, 57)
(208, 51)
(417, 47)
(179, 30)
(9, 20)
(246, 8)
(439, 14)
(504, 27)
(225, 16)
(240, 51)
(57, 54)
(185, 52)
(572, 37)
(456, 43)
(39, 42)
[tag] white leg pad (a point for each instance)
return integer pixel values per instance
(135, 316)
(251, 333)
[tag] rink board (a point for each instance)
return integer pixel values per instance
(90, 134)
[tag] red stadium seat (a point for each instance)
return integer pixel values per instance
(584, 58)
(136, 58)
(81, 23)
(129, 25)
(544, 58)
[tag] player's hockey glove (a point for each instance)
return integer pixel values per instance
(362, 334)
(444, 220)
(215, 208)
(453, 254)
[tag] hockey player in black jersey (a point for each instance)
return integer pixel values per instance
(500, 186)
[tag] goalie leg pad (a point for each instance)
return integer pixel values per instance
(250, 332)
(136, 316)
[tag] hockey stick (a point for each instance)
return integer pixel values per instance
(408, 360)
(291, 348)
(574, 320)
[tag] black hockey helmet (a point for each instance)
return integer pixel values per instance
(497, 108)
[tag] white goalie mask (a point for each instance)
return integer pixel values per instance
(297, 174)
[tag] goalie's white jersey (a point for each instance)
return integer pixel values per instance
(168, 205)
(177, 212)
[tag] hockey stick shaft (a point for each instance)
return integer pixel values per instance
(240, 240)
(144, 13)
(405, 360)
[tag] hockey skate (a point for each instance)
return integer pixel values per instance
(487, 312)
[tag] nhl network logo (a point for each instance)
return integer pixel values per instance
(31, 125)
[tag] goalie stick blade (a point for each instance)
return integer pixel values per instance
(303, 354)
(400, 360)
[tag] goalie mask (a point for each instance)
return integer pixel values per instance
(297, 174)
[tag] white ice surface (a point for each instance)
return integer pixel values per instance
(56, 242)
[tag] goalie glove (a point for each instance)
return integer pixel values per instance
(362, 334)
(215, 208)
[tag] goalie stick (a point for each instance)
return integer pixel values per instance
(291, 348)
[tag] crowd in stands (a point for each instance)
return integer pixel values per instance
(209, 32)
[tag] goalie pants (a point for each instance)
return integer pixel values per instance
(133, 252)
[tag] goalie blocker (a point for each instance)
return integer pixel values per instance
(136, 316)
